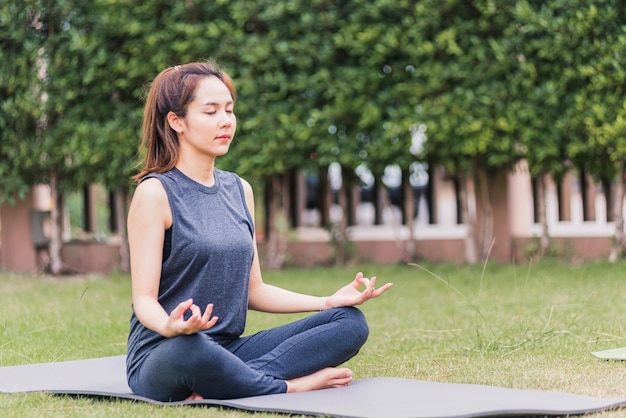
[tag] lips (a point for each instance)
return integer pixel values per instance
(223, 138)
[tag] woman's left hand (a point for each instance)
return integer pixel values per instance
(350, 295)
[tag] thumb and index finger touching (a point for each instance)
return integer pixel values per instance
(179, 311)
(370, 285)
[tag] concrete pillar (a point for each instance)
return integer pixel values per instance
(520, 201)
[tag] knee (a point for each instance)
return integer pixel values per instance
(188, 352)
(356, 324)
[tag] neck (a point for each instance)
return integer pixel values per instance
(201, 172)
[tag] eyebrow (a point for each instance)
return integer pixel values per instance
(216, 103)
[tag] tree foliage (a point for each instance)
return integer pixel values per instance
(319, 82)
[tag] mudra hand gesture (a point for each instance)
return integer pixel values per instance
(196, 322)
(350, 295)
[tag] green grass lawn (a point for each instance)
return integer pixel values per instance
(528, 326)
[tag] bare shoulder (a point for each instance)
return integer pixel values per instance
(150, 190)
(247, 188)
(249, 194)
(150, 202)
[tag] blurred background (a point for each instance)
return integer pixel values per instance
(371, 130)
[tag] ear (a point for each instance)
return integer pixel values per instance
(175, 122)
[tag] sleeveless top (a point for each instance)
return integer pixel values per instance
(207, 256)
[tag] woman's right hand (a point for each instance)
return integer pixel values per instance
(198, 321)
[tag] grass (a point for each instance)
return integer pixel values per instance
(527, 327)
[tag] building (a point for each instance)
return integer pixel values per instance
(578, 215)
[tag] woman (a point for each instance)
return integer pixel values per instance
(195, 267)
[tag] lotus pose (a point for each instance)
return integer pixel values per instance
(195, 267)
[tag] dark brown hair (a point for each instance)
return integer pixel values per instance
(171, 91)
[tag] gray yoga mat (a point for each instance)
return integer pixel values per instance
(380, 397)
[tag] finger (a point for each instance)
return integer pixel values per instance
(357, 280)
(208, 311)
(369, 285)
(206, 320)
(211, 323)
(195, 312)
(371, 291)
(180, 309)
(381, 290)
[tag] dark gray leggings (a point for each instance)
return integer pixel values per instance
(252, 365)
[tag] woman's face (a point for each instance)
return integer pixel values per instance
(210, 123)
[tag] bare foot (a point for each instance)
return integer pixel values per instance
(329, 377)
(194, 397)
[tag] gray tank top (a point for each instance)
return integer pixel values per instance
(209, 259)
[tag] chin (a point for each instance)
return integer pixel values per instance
(223, 150)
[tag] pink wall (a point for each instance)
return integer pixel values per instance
(510, 197)
(18, 252)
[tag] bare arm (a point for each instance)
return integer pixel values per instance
(148, 217)
(268, 298)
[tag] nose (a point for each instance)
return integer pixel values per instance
(226, 118)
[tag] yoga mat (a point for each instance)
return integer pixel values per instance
(612, 354)
(380, 397)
